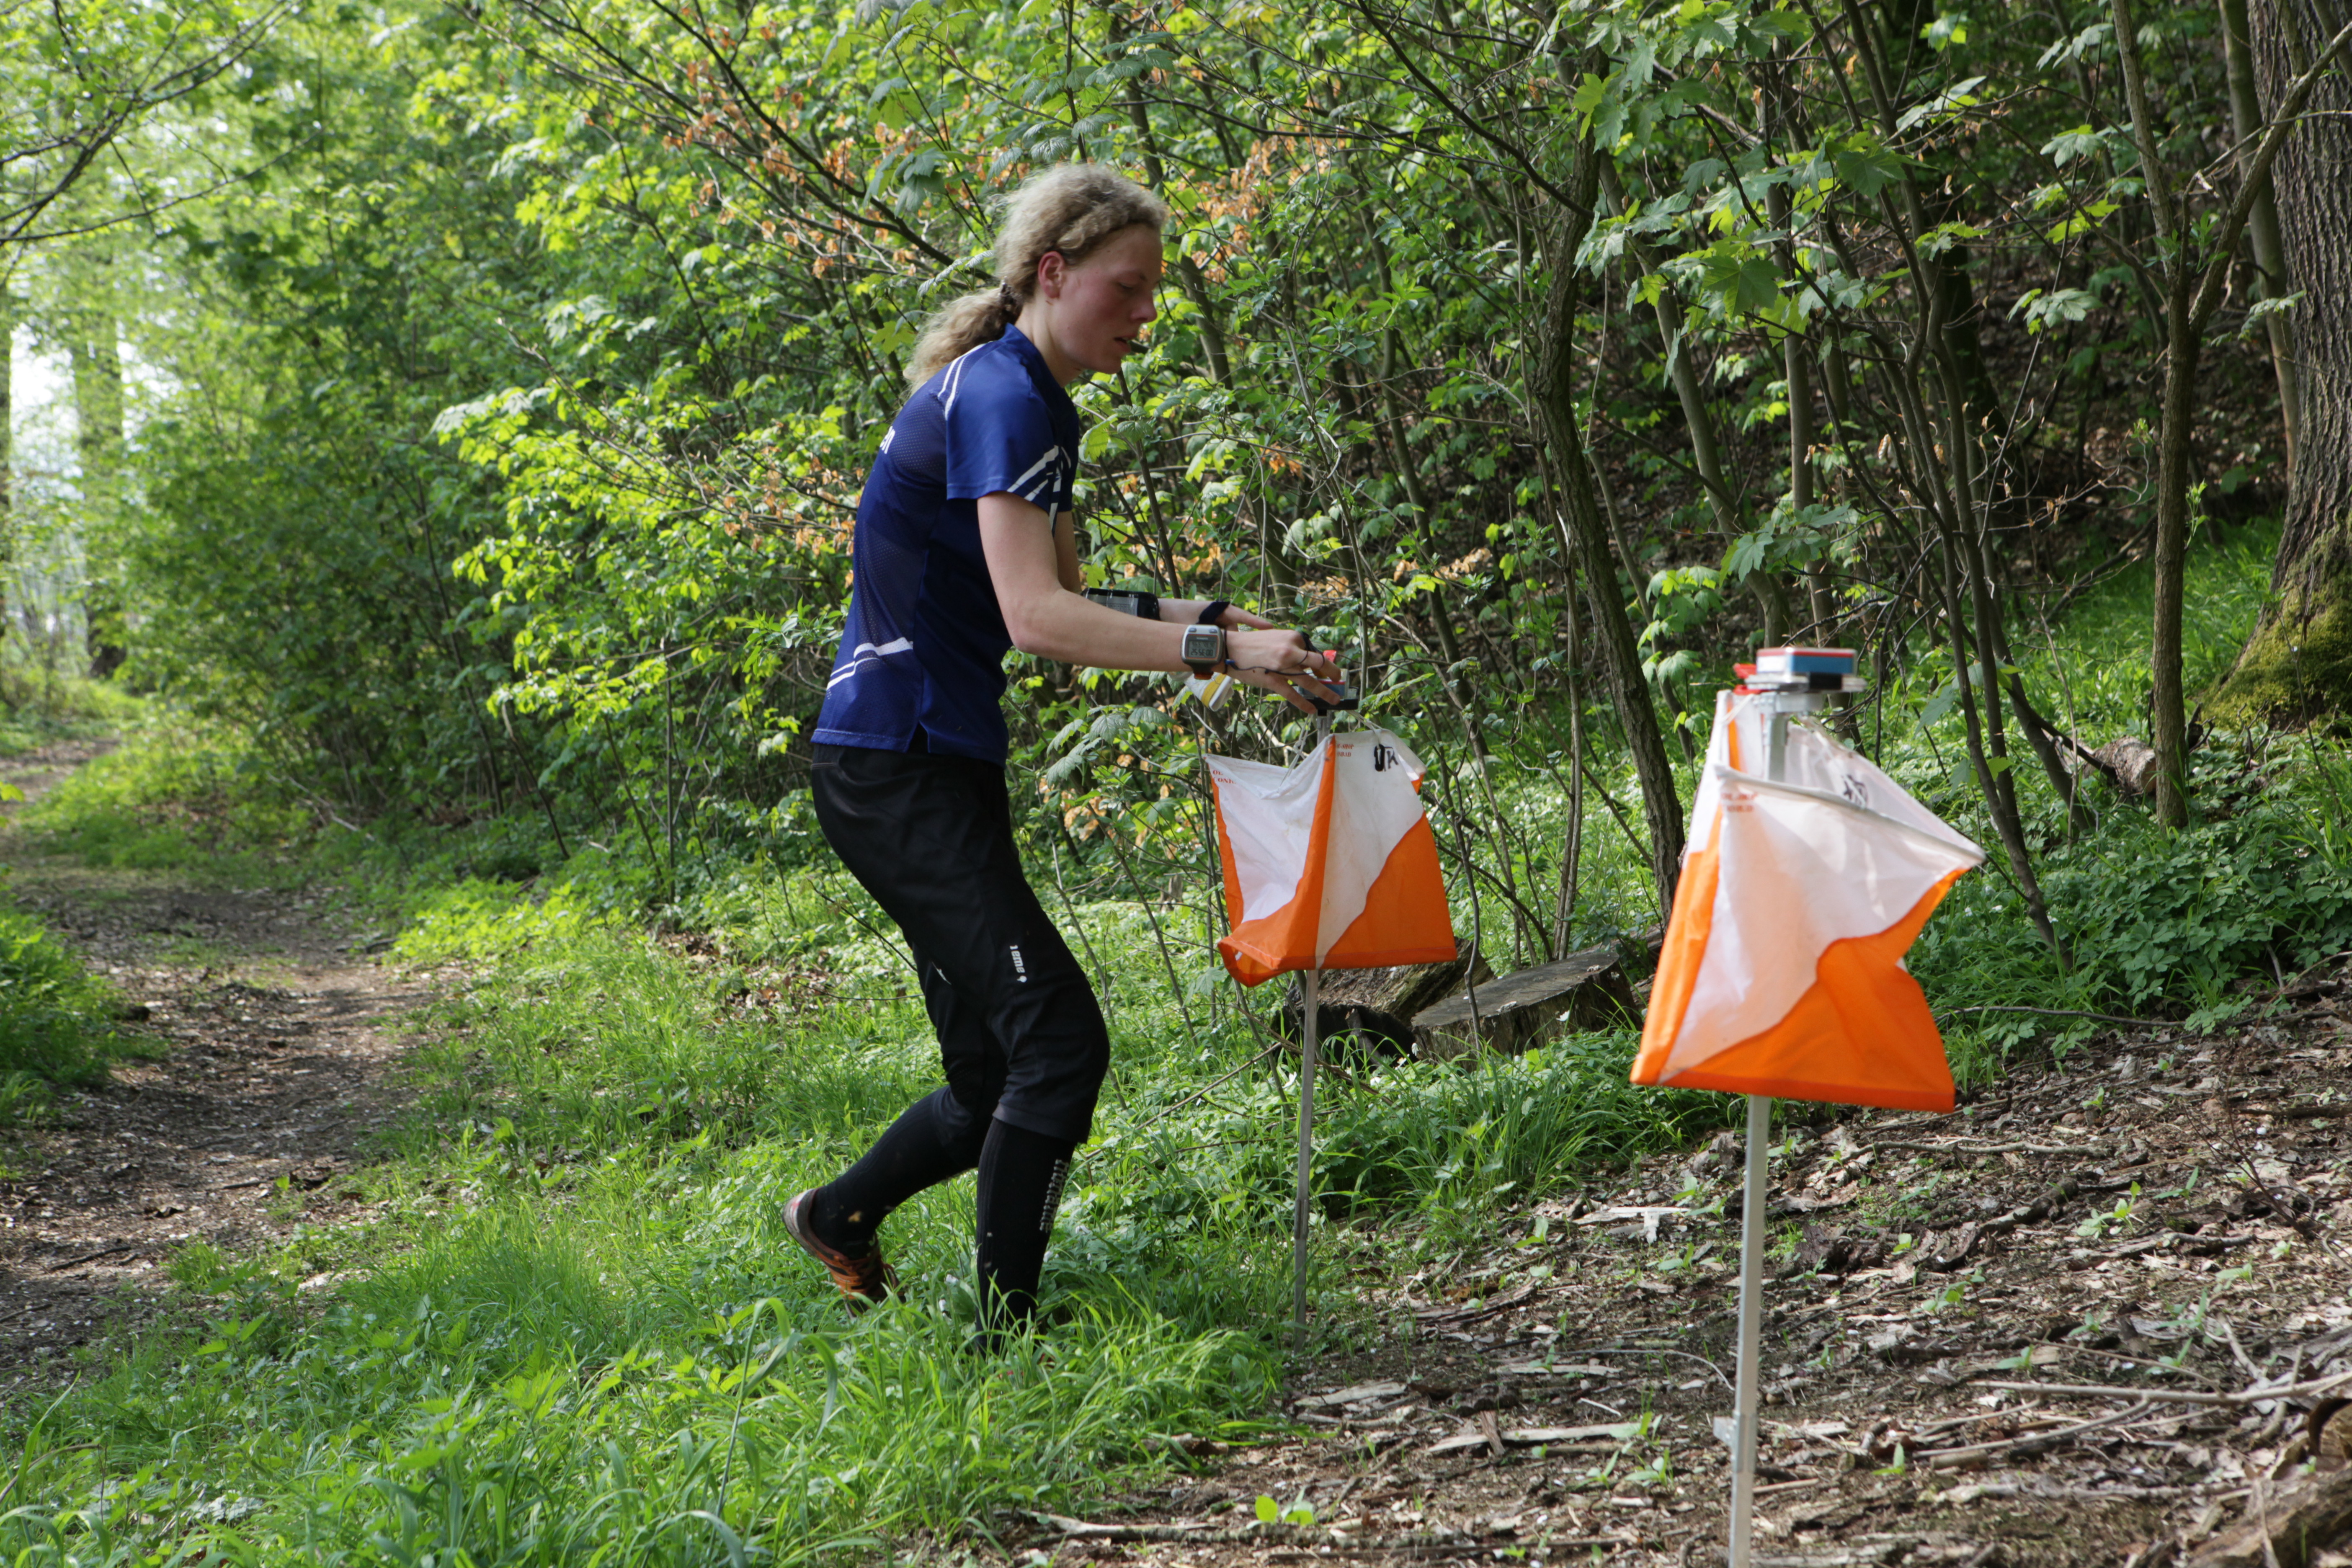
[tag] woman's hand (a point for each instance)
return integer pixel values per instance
(1258, 653)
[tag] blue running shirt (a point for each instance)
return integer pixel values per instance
(925, 642)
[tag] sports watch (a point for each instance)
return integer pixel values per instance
(1203, 649)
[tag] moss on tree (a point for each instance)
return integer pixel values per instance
(2297, 667)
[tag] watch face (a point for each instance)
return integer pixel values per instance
(1202, 644)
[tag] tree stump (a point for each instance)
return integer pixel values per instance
(1374, 1008)
(1586, 990)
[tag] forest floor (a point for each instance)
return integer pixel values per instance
(2151, 1235)
(268, 1036)
(2148, 1239)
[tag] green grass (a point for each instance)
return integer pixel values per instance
(592, 1333)
(176, 796)
(567, 1326)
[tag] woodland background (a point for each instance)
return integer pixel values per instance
(471, 403)
(459, 414)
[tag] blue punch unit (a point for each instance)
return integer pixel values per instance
(1802, 669)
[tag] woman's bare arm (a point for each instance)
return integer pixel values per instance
(1034, 565)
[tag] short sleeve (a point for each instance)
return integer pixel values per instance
(1000, 436)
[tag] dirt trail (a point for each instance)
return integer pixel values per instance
(274, 1038)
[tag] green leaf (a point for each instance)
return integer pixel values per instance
(2258, 312)
(1864, 164)
(2068, 146)
(2041, 308)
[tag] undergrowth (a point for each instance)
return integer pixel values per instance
(56, 1020)
(41, 707)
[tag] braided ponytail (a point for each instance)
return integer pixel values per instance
(1071, 208)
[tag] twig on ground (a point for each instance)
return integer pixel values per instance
(93, 1256)
(2237, 1351)
(2108, 1390)
(2067, 1012)
(2262, 1515)
(2256, 1394)
(1328, 1539)
(1964, 1147)
(2034, 1440)
(2143, 1361)
(1686, 1355)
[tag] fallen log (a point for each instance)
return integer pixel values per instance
(1376, 1007)
(2287, 1526)
(1586, 990)
(2129, 762)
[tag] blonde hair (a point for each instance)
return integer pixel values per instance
(1071, 208)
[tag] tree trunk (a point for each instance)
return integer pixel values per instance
(1725, 497)
(2298, 663)
(1553, 385)
(2168, 724)
(2274, 274)
(98, 445)
(7, 451)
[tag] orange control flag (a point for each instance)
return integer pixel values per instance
(1782, 969)
(1329, 864)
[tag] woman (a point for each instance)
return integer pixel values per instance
(965, 546)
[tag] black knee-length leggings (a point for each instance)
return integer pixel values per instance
(1021, 1036)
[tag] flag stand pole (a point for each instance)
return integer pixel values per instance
(1754, 1196)
(1309, 1032)
(1751, 1322)
(1314, 1004)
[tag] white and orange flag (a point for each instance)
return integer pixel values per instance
(1329, 864)
(1782, 969)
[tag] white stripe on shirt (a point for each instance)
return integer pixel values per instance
(1053, 454)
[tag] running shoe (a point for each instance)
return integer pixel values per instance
(862, 1281)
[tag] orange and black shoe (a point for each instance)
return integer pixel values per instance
(862, 1281)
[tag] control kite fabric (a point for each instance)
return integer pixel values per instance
(1329, 864)
(1782, 969)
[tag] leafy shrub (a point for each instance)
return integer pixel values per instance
(53, 1019)
(38, 708)
(2239, 899)
(2155, 923)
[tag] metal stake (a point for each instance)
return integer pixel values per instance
(1314, 992)
(1749, 1396)
(1310, 1037)
(1751, 1324)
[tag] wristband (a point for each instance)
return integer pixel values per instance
(1213, 613)
(1127, 602)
